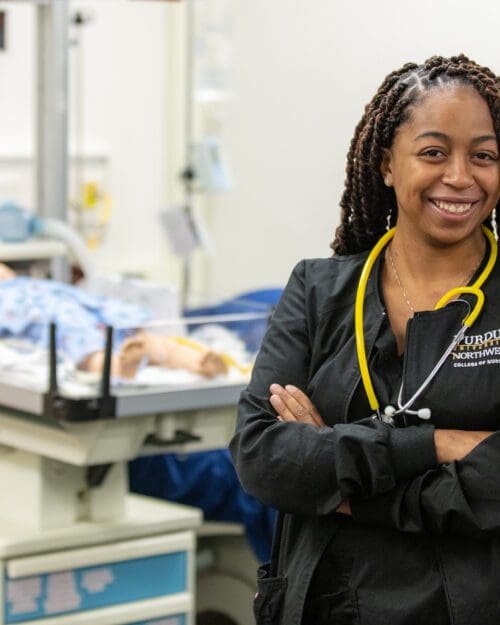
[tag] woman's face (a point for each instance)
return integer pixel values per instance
(444, 166)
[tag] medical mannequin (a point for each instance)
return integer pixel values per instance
(161, 351)
(385, 524)
(28, 305)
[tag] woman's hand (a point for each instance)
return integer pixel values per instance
(456, 444)
(292, 404)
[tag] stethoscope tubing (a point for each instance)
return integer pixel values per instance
(359, 312)
(404, 407)
(472, 315)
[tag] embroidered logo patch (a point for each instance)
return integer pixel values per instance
(478, 350)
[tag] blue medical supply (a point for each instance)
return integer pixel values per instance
(16, 224)
(208, 481)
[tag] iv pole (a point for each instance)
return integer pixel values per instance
(189, 173)
(52, 116)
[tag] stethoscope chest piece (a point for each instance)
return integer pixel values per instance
(388, 415)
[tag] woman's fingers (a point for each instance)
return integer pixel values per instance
(288, 406)
(292, 404)
(284, 414)
(305, 404)
(285, 405)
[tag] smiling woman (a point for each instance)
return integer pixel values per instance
(444, 168)
(393, 519)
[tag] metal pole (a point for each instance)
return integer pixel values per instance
(52, 114)
(189, 173)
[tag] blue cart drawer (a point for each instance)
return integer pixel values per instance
(103, 584)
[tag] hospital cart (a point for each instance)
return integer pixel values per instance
(75, 546)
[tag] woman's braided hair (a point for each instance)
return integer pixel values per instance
(367, 205)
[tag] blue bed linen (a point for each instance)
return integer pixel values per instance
(28, 305)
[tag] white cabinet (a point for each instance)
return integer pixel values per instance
(143, 581)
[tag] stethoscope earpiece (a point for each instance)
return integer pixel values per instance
(388, 415)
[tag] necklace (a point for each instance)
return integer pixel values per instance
(464, 280)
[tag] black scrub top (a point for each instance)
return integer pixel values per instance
(418, 532)
(357, 557)
(381, 573)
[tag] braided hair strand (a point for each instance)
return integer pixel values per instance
(367, 205)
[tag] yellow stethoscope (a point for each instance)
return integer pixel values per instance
(405, 408)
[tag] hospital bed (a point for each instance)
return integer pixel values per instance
(75, 545)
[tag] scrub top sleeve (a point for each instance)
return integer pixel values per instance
(460, 498)
(413, 450)
(296, 467)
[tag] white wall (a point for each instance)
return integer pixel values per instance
(125, 114)
(304, 71)
(17, 88)
(126, 109)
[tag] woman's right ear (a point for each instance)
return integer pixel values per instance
(386, 167)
